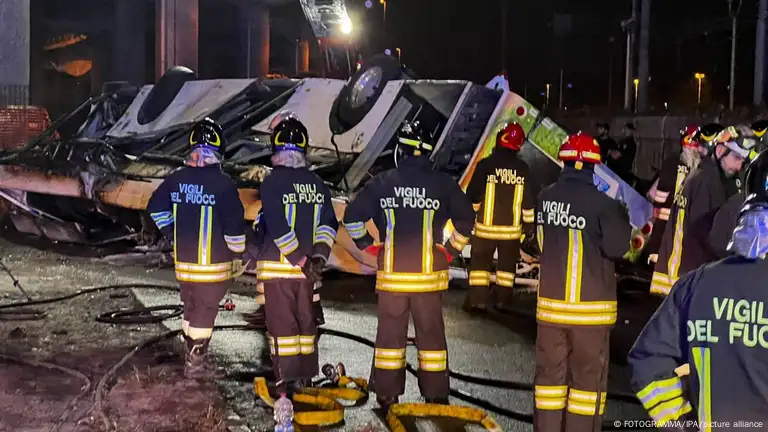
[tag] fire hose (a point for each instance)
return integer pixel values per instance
(21, 311)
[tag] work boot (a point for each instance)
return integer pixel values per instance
(438, 400)
(317, 308)
(198, 364)
(386, 401)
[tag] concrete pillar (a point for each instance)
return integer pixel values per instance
(302, 57)
(129, 52)
(177, 32)
(14, 52)
(255, 34)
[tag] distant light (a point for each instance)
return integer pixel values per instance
(666, 106)
(570, 85)
(388, 51)
(636, 81)
(346, 26)
(543, 94)
(368, 4)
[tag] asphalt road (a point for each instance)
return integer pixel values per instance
(497, 346)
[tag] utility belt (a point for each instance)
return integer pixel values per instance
(498, 232)
(590, 313)
(203, 273)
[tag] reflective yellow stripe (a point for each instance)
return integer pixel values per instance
(573, 275)
(356, 230)
(585, 402)
(528, 216)
(670, 410)
(316, 222)
(479, 278)
(490, 198)
(288, 242)
(193, 272)
(307, 344)
(582, 313)
(458, 241)
(499, 232)
(389, 250)
(433, 361)
(390, 359)
(550, 398)
(203, 277)
(175, 239)
(286, 345)
(505, 279)
(673, 266)
(412, 282)
(661, 196)
(205, 236)
(267, 270)
(702, 359)
(679, 181)
(660, 391)
(427, 242)
(540, 235)
(660, 283)
(517, 204)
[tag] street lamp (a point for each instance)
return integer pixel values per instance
(699, 76)
(637, 83)
(384, 20)
(399, 54)
(547, 104)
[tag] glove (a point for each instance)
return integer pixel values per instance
(445, 252)
(373, 249)
(313, 269)
(238, 268)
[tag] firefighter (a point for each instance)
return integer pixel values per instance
(687, 245)
(759, 128)
(199, 208)
(298, 236)
(501, 193)
(410, 205)
(580, 231)
(713, 318)
(674, 169)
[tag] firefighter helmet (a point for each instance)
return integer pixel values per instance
(291, 135)
(208, 134)
(412, 139)
(756, 182)
(686, 136)
(759, 128)
(705, 135)
(511, 136)
(580, 147)
(738, 139)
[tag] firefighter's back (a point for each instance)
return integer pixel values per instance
(727, 331)
(507, 178)
(200, 199)
(580, 230)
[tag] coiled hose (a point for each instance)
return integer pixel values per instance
(21, 311)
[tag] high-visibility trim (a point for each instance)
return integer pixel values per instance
(389, 242)
(285, 346)
(267, 270)
(205, 236)
(581, 313)
(660, 391)
(307, 344)
(575, 259)
(412, 282)
(499, 232)
(702, 359)
(660, 283)
(202, 273)
(288, 242)
(677, 246)
(664, 214)
(427, 242)
(679, 180)
(661, 196)
(257, 220)
(235, 243)
(196, 333)
(540, 237)
(162, 219)
(479, 278)
(458, 241)
(356, 230)
(550, 398)
(528, 216)
(490, 199)
(585, 402)
(476, 207)
(388, 358)
(433, 361)
(175, 239)
(505, 279)
(517, 203)
(670, 410)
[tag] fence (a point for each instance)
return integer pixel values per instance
(19, 122)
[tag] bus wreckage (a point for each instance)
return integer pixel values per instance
(91, 189)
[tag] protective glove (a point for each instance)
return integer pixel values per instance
(445, 252)
(238, 267)
(373, 249)
(313, 269)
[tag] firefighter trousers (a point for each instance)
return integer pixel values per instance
(388, 376)
(571, 377)
(201, 306)
(480, 267)
(292, 329)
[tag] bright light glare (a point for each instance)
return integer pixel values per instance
(346, 26)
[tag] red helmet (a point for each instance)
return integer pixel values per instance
(511, 137)
(686, 136)
(580, 147)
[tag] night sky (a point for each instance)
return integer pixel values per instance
(463, 40)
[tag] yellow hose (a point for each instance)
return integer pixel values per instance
(468, 414)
